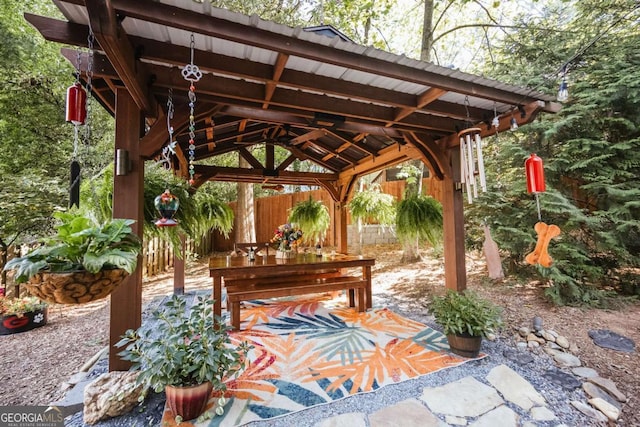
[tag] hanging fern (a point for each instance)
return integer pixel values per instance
(419, 217)
(372, 205)
(312, 216)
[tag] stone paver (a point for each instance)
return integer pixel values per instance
(408, 413)
(514, 388)
(501, 416)
(542, 413)
(353, 419)
(609, 386)
(585, 372)
(466, 397)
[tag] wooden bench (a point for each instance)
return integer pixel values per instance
(239, 290)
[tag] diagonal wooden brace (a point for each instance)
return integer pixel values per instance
(540, 254)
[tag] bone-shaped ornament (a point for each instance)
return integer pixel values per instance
(540, 254)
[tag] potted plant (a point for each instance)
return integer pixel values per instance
(21, 314)
(187, 352)
(84, 261)
(465, 318)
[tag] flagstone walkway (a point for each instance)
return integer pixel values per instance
(463, 402)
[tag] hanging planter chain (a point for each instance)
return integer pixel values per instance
(192, 74)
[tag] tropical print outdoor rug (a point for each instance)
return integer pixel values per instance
(315, 350)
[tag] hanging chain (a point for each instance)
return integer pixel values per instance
(169, 149)
(87, 126)
(192, 74)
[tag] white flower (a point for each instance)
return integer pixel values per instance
(38, 318)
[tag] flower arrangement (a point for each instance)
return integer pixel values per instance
(19, 306)
(286, 236)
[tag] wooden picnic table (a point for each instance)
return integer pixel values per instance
(268, 277)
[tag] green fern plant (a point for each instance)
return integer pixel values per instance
(312, 216)
(419, 217)
(373, 205)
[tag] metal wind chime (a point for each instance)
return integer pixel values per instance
(166, 203)
(78, 108)
(471, 160)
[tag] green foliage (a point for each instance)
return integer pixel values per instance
(312, 216)
(183, 346)
(465, 313)
(197, 214)
(591, 151)
(81, 244)
(419, 217)
(372, 205)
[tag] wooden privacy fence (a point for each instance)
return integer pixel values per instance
(272, 211)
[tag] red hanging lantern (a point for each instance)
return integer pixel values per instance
(76, 104)
(535, 174)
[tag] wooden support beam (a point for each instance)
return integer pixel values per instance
(255, 163)
(128, 202)
(455, 274)
(113, 41)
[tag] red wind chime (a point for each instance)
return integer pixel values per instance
(76, 104)
(534, 170)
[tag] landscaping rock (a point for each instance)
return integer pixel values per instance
(110, 395)
(605, 407)
(563, 379)
(524, 331)
(585, 372)
(520, 357)
(589, 411)
(566, 360)
(594, 391)
(609, 339)
(609, 386)
(562, 341)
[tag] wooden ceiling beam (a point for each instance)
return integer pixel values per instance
(291, 177)
(422, 100)
(113, 41)
(271, 85)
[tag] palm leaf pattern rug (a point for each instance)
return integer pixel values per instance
(316, 350)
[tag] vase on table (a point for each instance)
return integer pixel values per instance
(285, 251)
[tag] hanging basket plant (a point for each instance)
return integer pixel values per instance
(312, 217)
(83, 262)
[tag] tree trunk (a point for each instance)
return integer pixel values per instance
(427, 31)
(245, 228)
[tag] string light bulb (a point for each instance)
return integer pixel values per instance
(563, 92)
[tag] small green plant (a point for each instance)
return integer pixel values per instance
(461, 313)
(81, 244)
(183, 347)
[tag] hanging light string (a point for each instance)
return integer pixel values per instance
(565, 66)
(192, 74)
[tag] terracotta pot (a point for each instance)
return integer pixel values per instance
(14, 324)
(465, 345)
(75, 287)
(188, 402)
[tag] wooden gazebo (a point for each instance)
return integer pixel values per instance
(350, 109)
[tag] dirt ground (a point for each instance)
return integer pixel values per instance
(36, 364)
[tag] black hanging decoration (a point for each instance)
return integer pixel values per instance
(74, 187)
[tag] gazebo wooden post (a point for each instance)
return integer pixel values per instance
(128, 199)
(179, 265)
(341, 226)
(455, 274)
